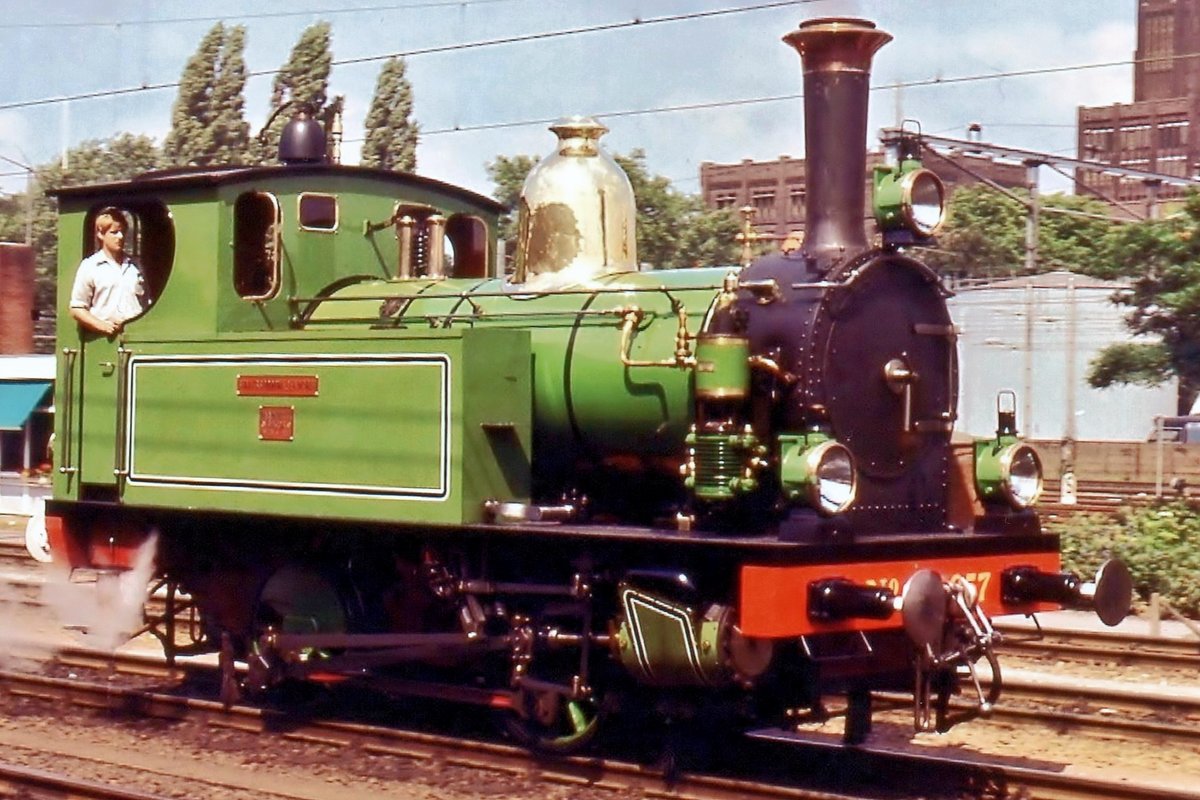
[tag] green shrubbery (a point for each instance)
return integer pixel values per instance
(1160, 544)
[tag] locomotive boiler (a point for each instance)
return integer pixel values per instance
(365, 453)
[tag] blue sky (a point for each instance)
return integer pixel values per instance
(54, 49)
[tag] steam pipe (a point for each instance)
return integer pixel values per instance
(836, 53)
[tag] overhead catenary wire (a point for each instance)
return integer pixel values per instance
(603, 27)
(446, 48)
(310, 12)
(791, 96)
(1025, 202)
(616, 113)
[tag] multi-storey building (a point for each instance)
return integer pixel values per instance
(776, 189)
(1158, 131)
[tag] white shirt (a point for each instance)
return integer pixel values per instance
(111, 291)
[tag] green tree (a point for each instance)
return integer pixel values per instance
(1161, 261)
(302, 81)
(208, 124)
(231, 132)
(508, 175)
(673, 229)
(984, 234)
(391, 141)
(93, 161)
(190, 140)
(13, 214)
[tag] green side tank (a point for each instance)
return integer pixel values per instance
(613, 364)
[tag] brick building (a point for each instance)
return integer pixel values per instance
(776, 189)
(1158, 131)
(26, 397)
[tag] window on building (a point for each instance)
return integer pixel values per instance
(1172, 134)
(1158, 44)
(725, 199)
(1173, 165)
(1098, 141)
(256, 246)
(763, 202)
(1135, 140)
(795, 202)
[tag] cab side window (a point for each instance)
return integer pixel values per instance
(466, 247)
(256, 246)
(433, 245)
(318, 212)
(149, 239)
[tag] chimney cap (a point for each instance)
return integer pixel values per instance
(847, 44)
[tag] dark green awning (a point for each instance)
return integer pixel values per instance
(18, 399)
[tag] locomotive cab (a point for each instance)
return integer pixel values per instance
(231, 256)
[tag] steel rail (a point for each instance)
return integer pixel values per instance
(26, 782)
(1110, 709)
(1038, 784)
(581, 771)
(980, 776)
(1083, 645)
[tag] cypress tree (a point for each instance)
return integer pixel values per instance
(303, 80)
(190, 139)
(391, 141)
(230, 131)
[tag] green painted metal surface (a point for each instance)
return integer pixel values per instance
(587, 400)
(198, 301)
(518, 374)
(394, 428)
(97, 411)
(989, 469)
(722, 367)
(665, 643)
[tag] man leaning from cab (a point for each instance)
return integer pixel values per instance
(109, 289)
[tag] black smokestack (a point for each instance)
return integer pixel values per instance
(836, 53)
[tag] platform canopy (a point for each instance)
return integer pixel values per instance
(18, 399)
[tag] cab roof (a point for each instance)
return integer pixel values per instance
(183, 178)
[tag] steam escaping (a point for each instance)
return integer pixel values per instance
(110, 610)
(20, 642)
(37, 542)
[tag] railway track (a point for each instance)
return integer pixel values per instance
(349, 739)
(1103, 707)
(977, 777)
(1100, 647)
(12, 546)
(1105, 497)
(1047, 704)
(965, 771)
(23, 782)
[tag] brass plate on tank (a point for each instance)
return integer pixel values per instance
(276, 423)
(277, 385)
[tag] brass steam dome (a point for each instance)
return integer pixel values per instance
(577, 213)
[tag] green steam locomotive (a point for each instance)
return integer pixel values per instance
(366, 453)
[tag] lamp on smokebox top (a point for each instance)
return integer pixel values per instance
(910, 201)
